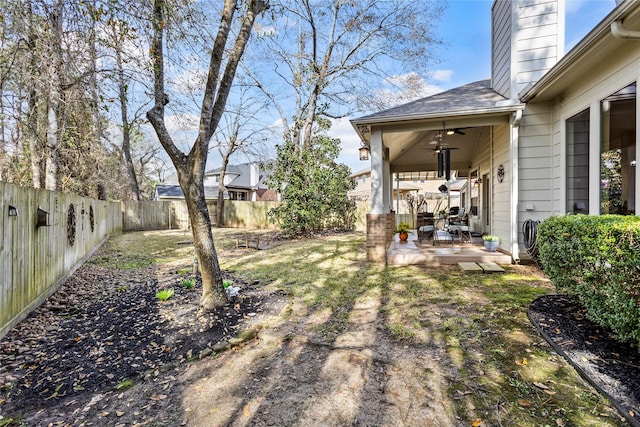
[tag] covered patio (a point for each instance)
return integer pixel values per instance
(444, 251)
(466, 134)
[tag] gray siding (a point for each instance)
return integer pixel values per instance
(501, 203)
(536, 164)
(528, 36)
(539, 34)
(501, 47)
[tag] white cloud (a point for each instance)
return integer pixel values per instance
(572, 6)
(403, 88)
(442, 75)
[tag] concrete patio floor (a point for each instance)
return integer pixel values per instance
(447, 252)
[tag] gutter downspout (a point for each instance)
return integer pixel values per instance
(619, 32)
(515, 188)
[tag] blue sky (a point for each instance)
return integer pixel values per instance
(465, 56)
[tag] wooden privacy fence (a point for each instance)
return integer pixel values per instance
(45, 236)
(151, 215)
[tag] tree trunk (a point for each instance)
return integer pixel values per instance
(96, 122)
(221, 190)
(213, 293)
(191, 167)
(126, 126)
(32, 131)
(54, 108)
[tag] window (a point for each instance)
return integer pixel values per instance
(618, 153)
(578, 163)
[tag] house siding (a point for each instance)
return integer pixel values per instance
(620, 69)
(501, 48)
(539, 40)
(528, 39)
(501, 200)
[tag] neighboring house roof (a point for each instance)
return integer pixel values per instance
(360, 172)
(243, 180)
(474, 97)
(231, 170)
(175, 192)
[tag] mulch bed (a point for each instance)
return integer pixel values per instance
(104, 327)
(611, 367)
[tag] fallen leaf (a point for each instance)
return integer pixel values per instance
(524, 403)
(477, 423)
(119, 413)
(550, 392)
(559, 422)
(246, 411)
(104, 414)
(540, 385)
(158, 397)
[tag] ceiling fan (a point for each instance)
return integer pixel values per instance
(452, 131)
(443, 151)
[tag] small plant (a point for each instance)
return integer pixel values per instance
(490, 238)
(400, 332)
(164, 294)
(188, 283)
(226, 283)
(403, 227)
(124, 384)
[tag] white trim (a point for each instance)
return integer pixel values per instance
(637, 205)
(515, 127)
(594, 157)
(377, 173)
(563, 165)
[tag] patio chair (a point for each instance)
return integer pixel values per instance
(426, 227)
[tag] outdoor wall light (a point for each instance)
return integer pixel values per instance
(13, 211)
(364, 151)
(477, 183)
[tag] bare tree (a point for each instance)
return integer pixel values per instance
(239, 131)
(191, 166)
(339, 46)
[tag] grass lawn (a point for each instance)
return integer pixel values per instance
(457, 347)
(498, 370)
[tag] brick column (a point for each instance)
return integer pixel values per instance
(380, 230)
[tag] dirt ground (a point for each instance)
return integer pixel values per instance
(103, 351)
(277, 374)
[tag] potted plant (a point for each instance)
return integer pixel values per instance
(491, 242)
(403, 231)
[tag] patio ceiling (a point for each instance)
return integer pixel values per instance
(408, 129)
(411, 144)
(416, 150)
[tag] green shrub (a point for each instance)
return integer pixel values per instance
(597, 259)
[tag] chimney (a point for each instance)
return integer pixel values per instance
(527, 40)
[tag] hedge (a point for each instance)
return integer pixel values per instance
(597, 259)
